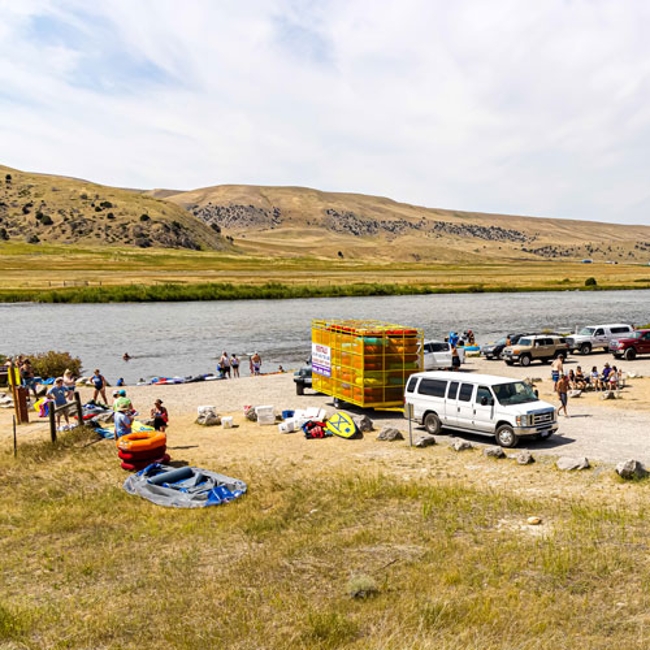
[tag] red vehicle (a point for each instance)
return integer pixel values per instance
(631, 346)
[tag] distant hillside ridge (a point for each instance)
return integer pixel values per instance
(295, 220)
(41, 208)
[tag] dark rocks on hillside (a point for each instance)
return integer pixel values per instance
(237, 216)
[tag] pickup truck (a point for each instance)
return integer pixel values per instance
(636, 343)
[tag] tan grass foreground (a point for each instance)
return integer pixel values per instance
(436, 545)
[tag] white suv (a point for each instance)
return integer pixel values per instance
(437, 355)
(597, 336)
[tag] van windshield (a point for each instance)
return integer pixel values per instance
(515, 392)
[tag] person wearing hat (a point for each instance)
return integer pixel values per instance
(124, 416)
(160, 416)
(116, 396)
(59, 395)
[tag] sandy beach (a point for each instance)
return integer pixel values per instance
(607, 431)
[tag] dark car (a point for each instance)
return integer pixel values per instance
(302, 378)
(494, 350)
(631, 346)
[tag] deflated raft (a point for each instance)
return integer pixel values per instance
(184, 487)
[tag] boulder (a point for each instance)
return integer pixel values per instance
(425, 441)
(524, 457)
(494, 452)
(568, 464)
(461, 445)
(364, 424)
(631, 469)
(390, 434)
(208, 416)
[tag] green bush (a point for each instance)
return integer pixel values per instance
(54, 364)
(591, 282)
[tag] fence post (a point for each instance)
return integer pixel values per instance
(51, 408)
(77, 400)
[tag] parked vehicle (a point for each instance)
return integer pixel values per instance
(437, 355)
(631, 346)
(302, 378)
(495, 350)
(597, 336)
(537, 347)
(502, 407)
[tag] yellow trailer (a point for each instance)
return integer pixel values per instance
(364, 362)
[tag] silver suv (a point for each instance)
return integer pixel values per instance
(597, 336)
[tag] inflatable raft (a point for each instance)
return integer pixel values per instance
(183, 487)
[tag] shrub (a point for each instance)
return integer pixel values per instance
(144, 217)
(54, 364)
(591, 282)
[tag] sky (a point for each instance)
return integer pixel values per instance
(525, 107)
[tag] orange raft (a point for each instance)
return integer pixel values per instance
(142, 441)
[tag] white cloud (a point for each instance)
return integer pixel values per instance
(524, 108)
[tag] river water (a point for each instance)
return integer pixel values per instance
(180, 339)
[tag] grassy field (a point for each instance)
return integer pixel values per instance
(315, 559)
(58, 273)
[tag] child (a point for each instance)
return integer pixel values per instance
(59, 395)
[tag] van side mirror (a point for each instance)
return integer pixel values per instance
(484, 401)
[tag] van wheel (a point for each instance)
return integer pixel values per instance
(524, 360)
(432, 424)
(585, 348)
(629, 354)
(300, 388)
(505, 436)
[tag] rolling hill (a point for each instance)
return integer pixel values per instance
(295, 222)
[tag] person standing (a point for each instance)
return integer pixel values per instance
(99, 383)
(557, 369)
(224, 362)
(256, 364)
(160, 416)
(455, 358)
(562, 387)
(27, 376)
(69, 383)
(234, 364)
(59, 395)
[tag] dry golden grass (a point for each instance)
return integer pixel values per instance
(442, 539)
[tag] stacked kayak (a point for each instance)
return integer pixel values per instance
(183, 487)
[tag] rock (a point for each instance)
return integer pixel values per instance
(608, 394)
(425, 441)
(390, 434)
(461, 445)
(250, 414)
(631, 469)
(575, 393)
(494, 452)
(364, 424)
(568, 464)
(524, 457)
(534, 521)
(208, 419)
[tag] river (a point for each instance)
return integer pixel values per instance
(180, 339)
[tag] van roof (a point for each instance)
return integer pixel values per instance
(490, 380)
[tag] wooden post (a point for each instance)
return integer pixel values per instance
(51, 409)
(13, 381)
(15, 439)
(80, 411)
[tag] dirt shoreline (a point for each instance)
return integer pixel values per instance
(607, 431)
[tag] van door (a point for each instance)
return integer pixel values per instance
(465, 406)
(484, 410)
(600, 339)
(451, 412)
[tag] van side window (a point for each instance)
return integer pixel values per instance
(481, 392)
(433, 387)
(599, 332)
(465, 394)
(410, 387)
(453, 389)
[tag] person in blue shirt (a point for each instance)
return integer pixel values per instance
(124, 416)
(59, 395)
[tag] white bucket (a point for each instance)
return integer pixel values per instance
(226, 422)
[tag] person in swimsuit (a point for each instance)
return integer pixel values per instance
(99, 383)
(234, 364)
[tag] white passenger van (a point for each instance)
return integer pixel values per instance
(505, 408)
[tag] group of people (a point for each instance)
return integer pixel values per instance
(228, 365)
(609, 379)
(125, 414)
